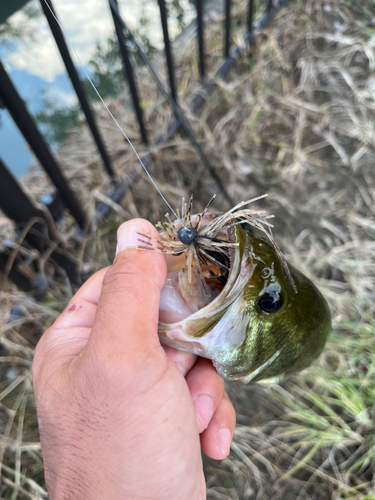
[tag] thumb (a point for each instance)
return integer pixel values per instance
(126, 320)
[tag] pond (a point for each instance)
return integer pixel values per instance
(34, 64)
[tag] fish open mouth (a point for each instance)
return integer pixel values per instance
(182, 297)
(213, 323)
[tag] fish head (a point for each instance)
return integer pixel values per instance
(287, 326)
(264, 323)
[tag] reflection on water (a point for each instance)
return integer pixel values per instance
(32, 59)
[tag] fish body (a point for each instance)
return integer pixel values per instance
(261, 326)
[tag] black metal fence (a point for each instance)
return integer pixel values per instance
(39, 225)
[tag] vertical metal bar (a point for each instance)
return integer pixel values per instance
(200, 38)
(13, 201)
(167, 45)
(227, 28)
(18, 207)
(128, 69)
(73, 75)
(250, 16)
(25, 123)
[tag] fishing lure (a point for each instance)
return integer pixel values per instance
(201, 242)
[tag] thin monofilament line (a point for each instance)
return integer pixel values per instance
(111, 115)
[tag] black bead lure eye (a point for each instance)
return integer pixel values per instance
(187, 235)
(270, 302)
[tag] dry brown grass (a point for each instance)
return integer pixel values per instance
(296, 120)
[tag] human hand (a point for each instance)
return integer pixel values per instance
(120, 416)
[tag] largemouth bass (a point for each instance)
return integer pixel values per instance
(241, 305)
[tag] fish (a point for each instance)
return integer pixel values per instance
(242, 305)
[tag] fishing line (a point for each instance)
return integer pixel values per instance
(110, 114)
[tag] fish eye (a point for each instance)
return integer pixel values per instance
(270, 302)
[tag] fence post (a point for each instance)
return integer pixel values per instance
(167, 46)
(200, 38)
(250, 17)
(227, 28)
(25, 123)
(41, 234)
(128, 70)
(58, 35)
(13, 201)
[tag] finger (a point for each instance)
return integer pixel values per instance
(206, 389)
(125, 326)
(184, 360)
(216, 439)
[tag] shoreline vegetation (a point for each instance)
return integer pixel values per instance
(295, 119)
